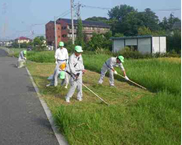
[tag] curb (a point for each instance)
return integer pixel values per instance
(60, 138)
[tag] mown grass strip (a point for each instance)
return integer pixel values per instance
(134, 116)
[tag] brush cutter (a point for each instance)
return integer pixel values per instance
(87, 87)
(128, 79)
(133, 82)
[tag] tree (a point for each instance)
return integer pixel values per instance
(97, 19)
(167, 24)
(174, 42)
(80, 36)
(100, 41)
(149, 19)
(126, 20)
(164, 24)
(131, 24)
(172, 20)
(118, 16)
(39, 43)
(146, 31)
(15, 44)
(120, 12)
(118, 35)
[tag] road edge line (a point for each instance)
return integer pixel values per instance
(60, 138)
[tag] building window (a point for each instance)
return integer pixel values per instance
(63, 27)
(64, 35)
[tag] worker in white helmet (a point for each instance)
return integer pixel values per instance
(76, 71)
(109, 66)
(61, 57)
(22, 59)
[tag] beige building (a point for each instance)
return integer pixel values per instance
(23, 40)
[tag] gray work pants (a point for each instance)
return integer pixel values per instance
(21, 63)
(103, 73)
(54, 81)
(75, 84)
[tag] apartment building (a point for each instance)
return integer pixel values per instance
(64, 31)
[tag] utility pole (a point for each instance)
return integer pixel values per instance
(5, 25)
(72, 22)
(19, 41)
(55, 32)
(78, 10)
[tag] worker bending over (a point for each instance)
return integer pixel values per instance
(22, 59)
(109, 66)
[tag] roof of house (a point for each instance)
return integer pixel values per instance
(134, 37)
(22, 38)
(52, 22)
(87, 23)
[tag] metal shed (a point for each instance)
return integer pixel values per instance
(144, 44)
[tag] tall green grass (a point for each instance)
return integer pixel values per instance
(151, 119)
(154, 74)
(42, 56)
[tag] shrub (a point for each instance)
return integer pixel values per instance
(174, 42)
(131, 53)
(43, 56)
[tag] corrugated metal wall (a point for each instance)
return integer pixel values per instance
(118, 45)
(155, 45)
(162, 44)
(144, 45)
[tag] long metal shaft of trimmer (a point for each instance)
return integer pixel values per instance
(89, 89)
(133, 82)
(95, 94)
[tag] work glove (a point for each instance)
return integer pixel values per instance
(115, 72)
(76, 76)
(126, 78)
(83, 71)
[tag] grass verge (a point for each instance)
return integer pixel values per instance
(134, 116)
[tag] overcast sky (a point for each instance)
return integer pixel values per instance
(18, 17)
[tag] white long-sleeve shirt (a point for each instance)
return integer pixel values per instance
(111, 63)
(76, 63)
(61, 54)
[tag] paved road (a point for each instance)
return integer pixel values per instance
(22, 118)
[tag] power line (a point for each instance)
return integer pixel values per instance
(103, 8)
(172, 9)
(94, 7)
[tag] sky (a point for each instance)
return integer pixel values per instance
(28, 17)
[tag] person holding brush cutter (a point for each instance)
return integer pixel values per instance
(61, 57)
(109, 66)
(76, 70)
